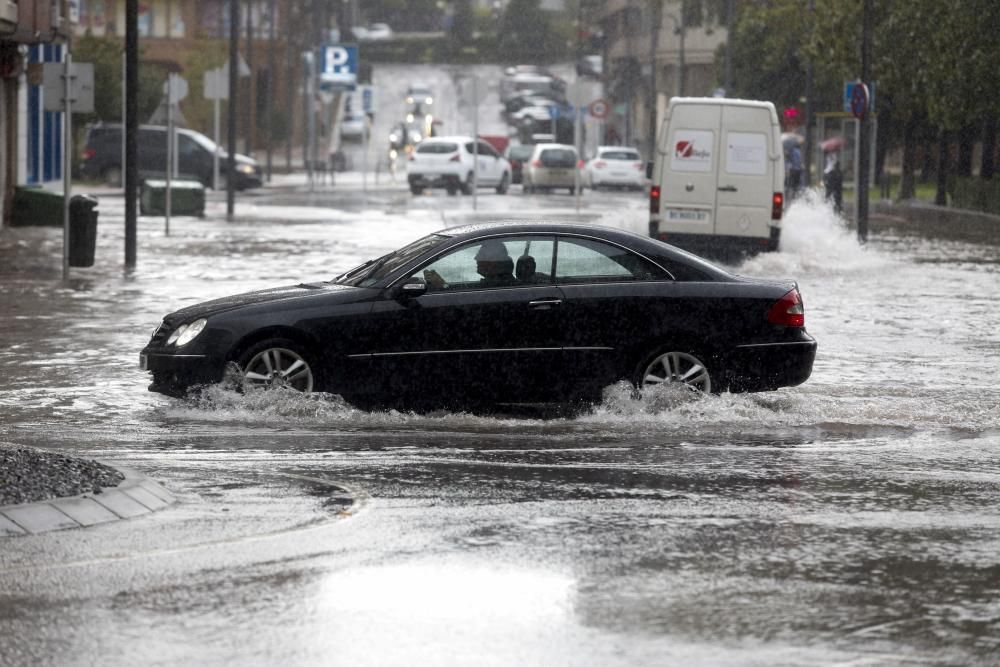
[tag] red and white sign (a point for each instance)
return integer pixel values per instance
(598, 108)
(692, 150)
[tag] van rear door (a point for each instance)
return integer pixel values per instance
(746, 172)
(688, 166)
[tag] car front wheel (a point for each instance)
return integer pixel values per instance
(278, 362)
(468, 184)
(667, 366)
(504, 182)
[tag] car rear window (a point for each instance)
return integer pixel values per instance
(558, 157)
(437, 148)
(619, 155)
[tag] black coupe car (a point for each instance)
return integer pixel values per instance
(497, 313)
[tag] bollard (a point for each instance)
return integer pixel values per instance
(82, 230)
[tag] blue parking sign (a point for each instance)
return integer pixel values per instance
(338, 64)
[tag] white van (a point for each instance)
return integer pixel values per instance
(718, 177)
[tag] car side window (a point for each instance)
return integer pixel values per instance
(495, 262)
(486, 149)
(589, 261)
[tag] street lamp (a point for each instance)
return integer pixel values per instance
(679, 29)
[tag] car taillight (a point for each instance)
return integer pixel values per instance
(536, 163)
(788, 311)
(600, 164)
(88, 153)
(639, 166)
(411, 157)
(777, 205)
(654, 199)
(579, 164)
(457, 157)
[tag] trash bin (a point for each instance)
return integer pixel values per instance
(82, 229)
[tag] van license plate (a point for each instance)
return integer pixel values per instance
(143, 362)
(687, 215)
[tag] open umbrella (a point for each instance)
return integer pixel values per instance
(832, 144)
(790, 139)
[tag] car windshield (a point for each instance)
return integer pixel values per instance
(375, 270)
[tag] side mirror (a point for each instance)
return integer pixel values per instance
(411, 288)
(649, 169)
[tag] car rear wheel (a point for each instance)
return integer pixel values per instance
(668, 366)
(416, 189)
(278, 362)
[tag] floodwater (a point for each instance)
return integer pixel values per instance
(852, 520)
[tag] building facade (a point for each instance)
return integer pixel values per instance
(654, 50)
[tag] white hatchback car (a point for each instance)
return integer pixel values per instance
(451, 163)
(616, 166)
(551, 166)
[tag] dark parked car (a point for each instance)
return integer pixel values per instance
(102, 156)
(497, 313)
(517, 155)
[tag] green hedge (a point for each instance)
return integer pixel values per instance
(976, 194)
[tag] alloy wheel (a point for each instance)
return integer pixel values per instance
(278, 367)
(677, 367)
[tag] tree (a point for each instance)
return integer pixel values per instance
(106, 55)
(462, 23)
(526, 34)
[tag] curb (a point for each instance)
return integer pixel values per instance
(136, 496)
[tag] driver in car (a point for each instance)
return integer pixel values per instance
(493, 263)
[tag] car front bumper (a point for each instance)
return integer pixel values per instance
(174, 374)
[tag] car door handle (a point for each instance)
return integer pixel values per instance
(544, 304)
(728, 188)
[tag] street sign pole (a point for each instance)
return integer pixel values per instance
(67, 154)
(475, 140)
(170, 152)
(864, 122)
(215, 130)
(576, 167)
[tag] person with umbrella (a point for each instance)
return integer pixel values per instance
(833, 177)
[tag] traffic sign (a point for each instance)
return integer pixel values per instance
(175, 88)
(849, 97)
(598, 108)
(81, 88)
(338, 64)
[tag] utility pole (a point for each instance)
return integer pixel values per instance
(131, 125)
(234, 73)
(809, 106)
(727, 80)
(864, 122)
(268, 104)
(654, 37)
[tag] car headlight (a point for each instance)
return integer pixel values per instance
(186, 333)
(409, 118)
(245, 169)
(429, 100)
(416, 137)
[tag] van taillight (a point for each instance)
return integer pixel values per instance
(536, 163)
(788, 311)
(88, 153)
(777, 205)
(654, 199)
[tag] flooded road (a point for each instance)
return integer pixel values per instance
(852, 520)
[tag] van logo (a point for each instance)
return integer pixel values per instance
(685, 149)
(744, 222)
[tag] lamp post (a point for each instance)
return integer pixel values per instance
(679, 29)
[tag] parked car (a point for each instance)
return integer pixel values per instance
(517, 155)
(352, 126)
(533, 114)
(449, 162)
(101, 157)
(590, 66)
(497, 313)
(373, 33)
(551, 166)
(615, 166)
